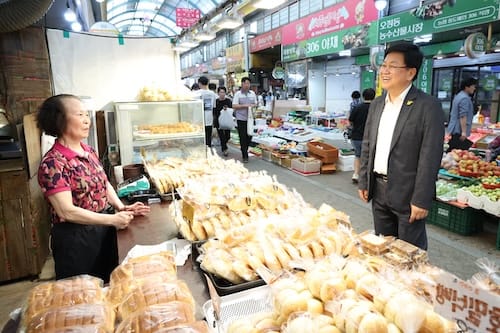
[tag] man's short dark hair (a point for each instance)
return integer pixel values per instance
(412, 56)
(51, 117)
(368, 94)
(212, 86)
(203, 80)
(222, 88)
(355, 94)
(467, 82)
(245, 78)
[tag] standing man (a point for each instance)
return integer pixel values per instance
(208, 97)
(357, 119)
(462, 112)
(242, 100)
(402, 149)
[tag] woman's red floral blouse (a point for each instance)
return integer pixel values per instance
(62, 169)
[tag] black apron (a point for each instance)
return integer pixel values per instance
(84, 249)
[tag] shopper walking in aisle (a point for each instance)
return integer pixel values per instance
(81, 199)
(208, 97)
(222, 103)
(356, 100)
(242, 100)
(357, 120)
(402, 149)
(462, 112)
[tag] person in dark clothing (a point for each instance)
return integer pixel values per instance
(222, 102)
(357, 120)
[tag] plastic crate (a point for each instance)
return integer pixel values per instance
(464, 221)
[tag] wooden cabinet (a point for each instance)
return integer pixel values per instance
(24, 226)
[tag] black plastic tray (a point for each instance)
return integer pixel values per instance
(223, 286)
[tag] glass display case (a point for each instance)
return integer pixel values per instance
(157, 130)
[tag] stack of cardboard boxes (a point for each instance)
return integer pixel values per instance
(326, 153)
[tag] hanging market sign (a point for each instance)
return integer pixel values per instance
(341, 16)
(218, 63)
(265, 41)
(475, 45)
(186, 17)
(355, 37)
(235, 58)
(437, 17)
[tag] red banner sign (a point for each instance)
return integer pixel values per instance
(186, 17)
(341, 16)
(265, 41)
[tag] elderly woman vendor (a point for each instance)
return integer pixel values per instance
(85, 209)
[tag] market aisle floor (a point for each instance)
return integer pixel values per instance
(447, 250)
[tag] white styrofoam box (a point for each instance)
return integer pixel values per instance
(492, 207)
(345, 163)
(475, 202)
(462, 196)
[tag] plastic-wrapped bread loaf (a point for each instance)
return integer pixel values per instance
(117, 292)
(99, 316)
(151, 294)
(144, 265)
(79, 329)
(76, 290)
(196, 327)
(154, 317)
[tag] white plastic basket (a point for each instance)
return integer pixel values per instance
(492, 207)
(463, 196)
(238, 305)
(475, 202)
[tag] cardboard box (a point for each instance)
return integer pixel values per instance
(328, 153)
(266, 155)
(286, 162)
(328, 168)
(306, 166)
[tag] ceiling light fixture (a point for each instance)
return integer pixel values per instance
(345, 53)
(69, 14)
(461, 52)
(76, 26)
(267, 4)
(380, 4)
(228, 21)
(439, 55)
(422, 39)
(99, 1)
(205, 36)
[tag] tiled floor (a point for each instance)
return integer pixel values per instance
(447, 250)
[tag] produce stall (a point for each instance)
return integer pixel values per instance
(467, 194)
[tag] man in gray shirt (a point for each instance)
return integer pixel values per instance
(462, 112)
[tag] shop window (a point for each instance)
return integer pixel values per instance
(283, 16)
(294, 12)
(304, 8)
(315, 5)
(275, 20)
(267, 23)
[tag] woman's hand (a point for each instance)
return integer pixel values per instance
(137, 208)
(122, 219)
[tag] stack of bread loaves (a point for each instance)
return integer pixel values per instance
(149, 298)
(67, 305)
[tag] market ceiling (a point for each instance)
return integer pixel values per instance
(152, 17)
